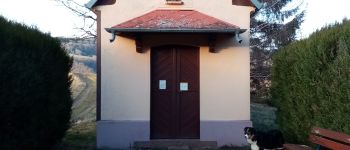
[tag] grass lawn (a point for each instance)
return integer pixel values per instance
(79, 137)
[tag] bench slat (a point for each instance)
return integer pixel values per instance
(296, 147)
(328, 143)
(331, 134)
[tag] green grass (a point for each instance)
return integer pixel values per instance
(79, 137)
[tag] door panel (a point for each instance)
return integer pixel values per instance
(188, 72)
(162, 100)
(189, 114)
(174, 112)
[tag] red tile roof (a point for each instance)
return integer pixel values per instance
(176, 21)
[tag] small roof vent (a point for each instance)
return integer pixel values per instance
(174, 2)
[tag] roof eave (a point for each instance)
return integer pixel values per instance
(143, 30)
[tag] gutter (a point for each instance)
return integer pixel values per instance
(179, 30)
(116, 31)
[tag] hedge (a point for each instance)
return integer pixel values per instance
(35, 97)
(311, 83)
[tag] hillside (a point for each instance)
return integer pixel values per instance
(84, 78)
(84, 96)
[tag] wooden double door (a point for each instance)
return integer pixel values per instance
(175, 92)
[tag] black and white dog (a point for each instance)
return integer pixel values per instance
(271, 140)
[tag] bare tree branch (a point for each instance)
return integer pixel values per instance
(88, 18)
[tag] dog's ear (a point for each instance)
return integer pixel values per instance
(246, 129)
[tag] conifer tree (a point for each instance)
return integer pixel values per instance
(274, 26)
(35, 96)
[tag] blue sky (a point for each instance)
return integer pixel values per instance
(49, 16)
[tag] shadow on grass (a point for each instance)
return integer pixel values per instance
(79, 137)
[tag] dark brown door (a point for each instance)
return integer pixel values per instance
(175, 92)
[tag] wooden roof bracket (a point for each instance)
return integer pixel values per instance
(212, 43)
(138, 43)
(212, 36)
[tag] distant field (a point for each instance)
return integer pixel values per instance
(84, 96)
(88, 61)
(84, 58)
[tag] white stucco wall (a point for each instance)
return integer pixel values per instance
(125, 74)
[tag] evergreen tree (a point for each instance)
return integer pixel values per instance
(35, 96)
(274, 26)
(311, 83)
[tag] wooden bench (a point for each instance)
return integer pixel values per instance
(325, 139)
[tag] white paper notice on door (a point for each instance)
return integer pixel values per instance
(162, 84)
(183, 86)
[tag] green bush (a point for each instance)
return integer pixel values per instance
(311, 83)
(35, 97)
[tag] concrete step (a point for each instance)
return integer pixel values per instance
(178, 144)
(178, 148)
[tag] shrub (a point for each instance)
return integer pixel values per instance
(35, 97)
(311, 83)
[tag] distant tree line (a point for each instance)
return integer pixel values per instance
(84, 47)
(84, 52)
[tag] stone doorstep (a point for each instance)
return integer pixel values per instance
(178, 148)
(175, 144)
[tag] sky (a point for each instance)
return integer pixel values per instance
(50, 16)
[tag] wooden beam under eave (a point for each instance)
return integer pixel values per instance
(243, 3)
(212, 44)
(138, 43)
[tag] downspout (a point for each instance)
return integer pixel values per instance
(238, 39)
(113, 37)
